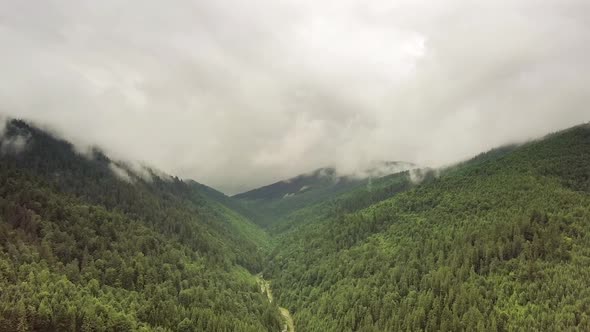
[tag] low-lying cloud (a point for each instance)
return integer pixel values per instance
(239, 94)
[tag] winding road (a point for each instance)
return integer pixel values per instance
(287, 319)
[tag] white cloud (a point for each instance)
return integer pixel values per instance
(239, 94)
(120, 172)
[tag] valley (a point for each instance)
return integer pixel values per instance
(495, 243)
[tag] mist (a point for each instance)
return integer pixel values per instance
(240, 94)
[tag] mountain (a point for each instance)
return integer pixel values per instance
(496, 243)
(276, 200)
(500, 242)
(88, 243)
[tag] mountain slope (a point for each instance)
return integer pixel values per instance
(494, 244)
(90, 244)
(357, 198)
(277, 200)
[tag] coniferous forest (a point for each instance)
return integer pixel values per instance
(84, 250)
(500, 242)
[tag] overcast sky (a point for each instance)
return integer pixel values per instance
(237, 94)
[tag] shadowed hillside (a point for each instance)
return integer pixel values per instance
(277, 200)
(90, 244)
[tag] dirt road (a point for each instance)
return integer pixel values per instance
(287, 319)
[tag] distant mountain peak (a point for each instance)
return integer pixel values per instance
(322, 178)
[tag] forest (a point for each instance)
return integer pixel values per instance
(84, 250)
(499, 242)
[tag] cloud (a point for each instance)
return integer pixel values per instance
(120, 172)
(239, 94)
(14, 145)
(11, 144)
(3, 123)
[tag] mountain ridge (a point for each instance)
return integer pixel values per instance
(274, 201)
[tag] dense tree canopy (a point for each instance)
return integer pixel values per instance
(84, 250)
(494, 244)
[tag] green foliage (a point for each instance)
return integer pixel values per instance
(83, 250)
(275, 201)
(374, 190)
(498, 243)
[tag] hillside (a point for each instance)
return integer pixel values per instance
(87, 243)
(357, 198)
(275, 201)
(497, 243)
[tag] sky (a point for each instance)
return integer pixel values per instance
(239, 94)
